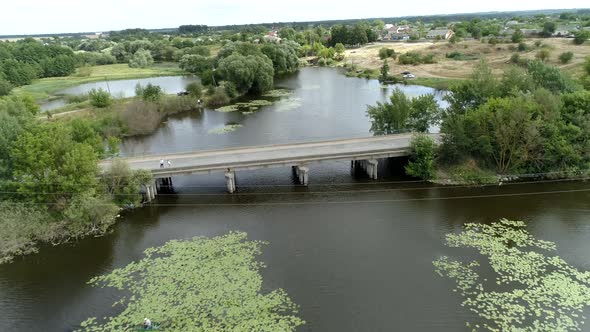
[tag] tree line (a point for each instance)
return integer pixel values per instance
(533, 119)
(23, 61)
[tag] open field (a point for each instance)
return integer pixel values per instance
(497, 56)
(46, 87)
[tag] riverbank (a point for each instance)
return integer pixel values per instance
(45, 88)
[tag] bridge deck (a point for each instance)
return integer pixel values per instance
(273, 155)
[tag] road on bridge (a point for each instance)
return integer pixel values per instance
(272, 155)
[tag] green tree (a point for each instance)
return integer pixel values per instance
(61, 65)
(141, 59)
(119, 52)
(358, 35)
(100, 98)
(283, 56)
(403, 114)
(18, 73)
(5, 87)
(581, 37)
(195, 89)
(548, 29)
(566, 57)
(530, 288)
(196, 64)
(340, 49)
(550, 78)
(474, 92)
(47, 159)
(287, 33)
(181, 288)
(505, 132)
(422, 155)
(386, 52)
(124, 185)
(385, 71)
(253, 74)
(150, 92)
(517, 36)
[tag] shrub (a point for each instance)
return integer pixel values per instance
(515, 58)
(150, 92)
(140, 118)
(176, 104)
(218, 97)
(543, 54)
(523, 47)
(581, 37)
(538, 43)
(566, 57)
(195, 89)
(422, 155)
(470, 173)
(385, 53)
(456, 55)
(100, 98)
(415, 58)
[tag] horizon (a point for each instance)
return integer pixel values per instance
(53, 19)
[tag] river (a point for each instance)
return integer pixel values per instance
(355, 254)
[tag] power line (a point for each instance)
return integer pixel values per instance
(328, 192)
(339, 202)
(521, 175)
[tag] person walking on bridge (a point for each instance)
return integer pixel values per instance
(162, 163)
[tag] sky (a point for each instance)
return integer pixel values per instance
(62, 16)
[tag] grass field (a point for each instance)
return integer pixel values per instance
(450, 70)
(45, 88)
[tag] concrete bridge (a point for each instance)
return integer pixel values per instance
(362, 152)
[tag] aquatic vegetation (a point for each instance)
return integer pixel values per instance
(227, 109)
(288, 104)
(203, 284)
(532, 291)
(228, 128)
(278, 93)
(252, 105)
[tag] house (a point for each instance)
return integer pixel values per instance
(512, 23)
(272, 36)
(531, 32)
(565, 31)
(507, 32)
(388, 26)
(444, 34)
(398, 36)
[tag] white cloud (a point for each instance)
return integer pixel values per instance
(28, 16)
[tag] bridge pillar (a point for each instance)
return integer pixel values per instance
(148, 196)
(371, 166)
(302, 173)
(230, 180)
